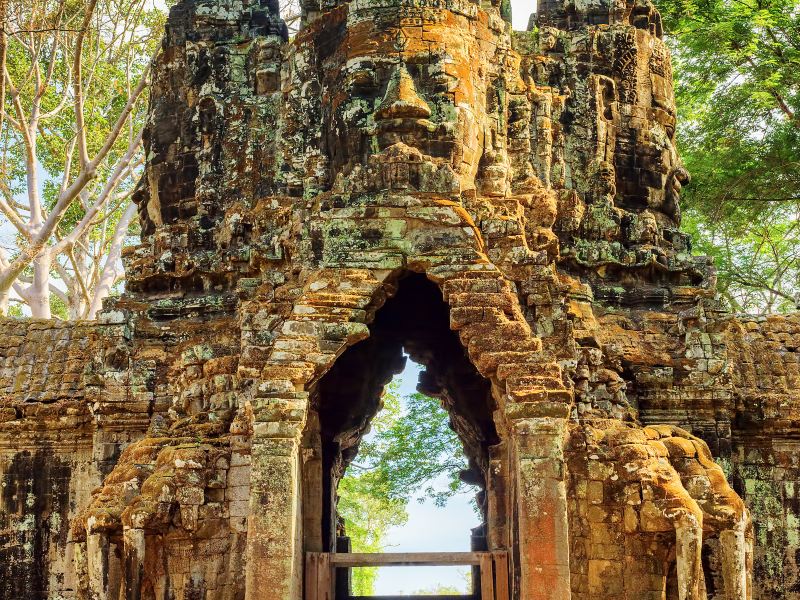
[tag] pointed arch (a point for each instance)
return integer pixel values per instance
(332, 314)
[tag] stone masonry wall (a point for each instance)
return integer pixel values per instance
(46, 466)
(405, 176)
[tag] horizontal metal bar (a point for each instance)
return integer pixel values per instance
(406, 559)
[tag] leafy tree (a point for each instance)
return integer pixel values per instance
(368, 516)
(72, 107)
(737, 65)
(410, 446)
(367, 511)
(445, 590)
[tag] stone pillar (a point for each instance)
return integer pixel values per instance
(80, 561)
(97, 565)
(734, 548)
(312, 485)
(497, 490)
(542, 534)
(274, 544)
(688, 547)
(133, 554)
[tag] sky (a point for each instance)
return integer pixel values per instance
(520, 13)
(429, 529)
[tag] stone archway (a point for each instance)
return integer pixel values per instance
(530, 405)
(415, 321)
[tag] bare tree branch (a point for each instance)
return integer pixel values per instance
(77, 85)
(61, 60)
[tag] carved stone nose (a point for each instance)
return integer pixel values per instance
(401, 100)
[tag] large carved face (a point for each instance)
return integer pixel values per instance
(407, 75)
(649, 170)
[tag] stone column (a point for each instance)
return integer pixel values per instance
(734, 548)
(541, 492)
(98, 567)
(274, 544)
(497, 490)
(133, 554)
(688, 547)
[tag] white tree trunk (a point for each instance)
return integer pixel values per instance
(38, 293)
(66, 65)
(113, 265)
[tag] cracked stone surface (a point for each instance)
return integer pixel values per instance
(405, 176)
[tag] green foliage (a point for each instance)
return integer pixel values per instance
(58, 307)
(737, 65)
(15, 311)
(367, 512)
(368, 516)
(445, 590)
(39, 140)
(410, 446)
(119, 43)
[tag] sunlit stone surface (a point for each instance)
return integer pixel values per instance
(405, 175)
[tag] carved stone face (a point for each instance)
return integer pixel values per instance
(649, 170)
(407, 76)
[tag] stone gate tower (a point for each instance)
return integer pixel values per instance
(405, 176)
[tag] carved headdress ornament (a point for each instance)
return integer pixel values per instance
(468, 8)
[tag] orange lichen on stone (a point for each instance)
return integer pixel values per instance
(405, 178)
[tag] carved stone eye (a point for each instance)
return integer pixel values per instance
(364, 82)
(443, 83)
(417, 70)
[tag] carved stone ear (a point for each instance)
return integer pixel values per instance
(605, 94)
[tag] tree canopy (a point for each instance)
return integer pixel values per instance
(73, 99)
(737, 68)
(410, 454)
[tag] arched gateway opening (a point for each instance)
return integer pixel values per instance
(414, 322)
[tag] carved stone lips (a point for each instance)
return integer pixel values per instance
(405, 125)
(411, 131)
(679, 177)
